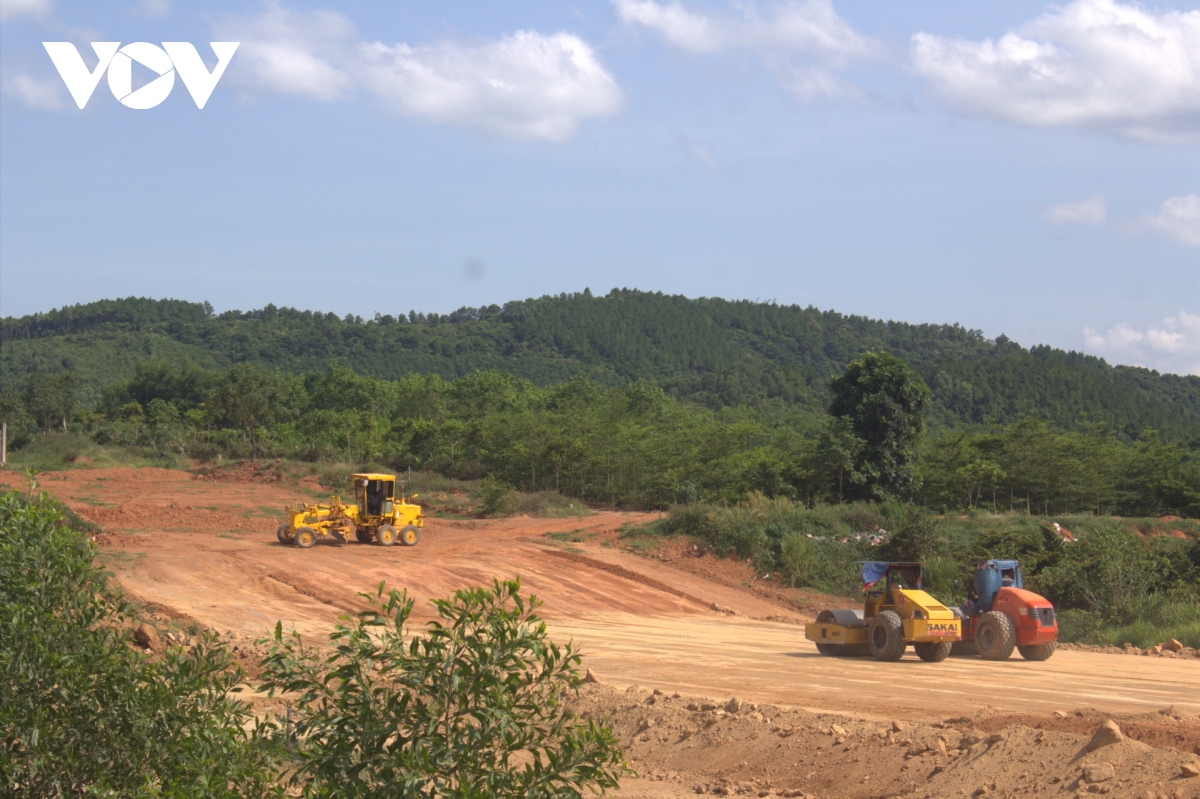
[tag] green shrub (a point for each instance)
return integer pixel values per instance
(81, 713)
(471, 708)
(495, 497)
(919, 537)
(797, 559)
(548, 505)
(52, 451)
(1080, 626)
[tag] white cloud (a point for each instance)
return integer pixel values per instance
(153, 8)
(808, 30)
(1092, 211)
(1171, 346)
(700, 154)
(11, 9)
(43, 94)
(1179, 218)
(526, 85)
(1094, 64)
(308, 53)
(682, 28)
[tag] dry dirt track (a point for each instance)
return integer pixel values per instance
(206, 550)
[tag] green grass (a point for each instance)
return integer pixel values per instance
(57, 451)
(118, 557)
(1162, 619)
(576, 536)
(96, 503)
(547, 505)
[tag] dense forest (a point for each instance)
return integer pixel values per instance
(630, 446)
(715, 353)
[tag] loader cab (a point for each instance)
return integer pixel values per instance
(374, 494)
(990, 577)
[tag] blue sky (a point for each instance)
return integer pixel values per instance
(1016, 167)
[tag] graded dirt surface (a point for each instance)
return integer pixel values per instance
(204, 551)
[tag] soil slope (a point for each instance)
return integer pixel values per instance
(204, 552)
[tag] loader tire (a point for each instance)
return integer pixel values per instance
(1038, 651)
(363, 536)
(385, 535)
(995, 636)
(284, 534)
(885, 636)
(933, 651)
(409, 536)
(305, 537)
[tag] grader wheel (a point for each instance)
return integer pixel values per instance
(305, 537)
(386, 535)
(409, 536)
(284, 534)
(363, 536)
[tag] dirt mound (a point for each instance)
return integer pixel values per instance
(1165, 729)
(690, 745)
(1167, 649)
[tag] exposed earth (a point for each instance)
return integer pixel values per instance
(663, 631)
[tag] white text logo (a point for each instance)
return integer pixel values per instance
(165, 61)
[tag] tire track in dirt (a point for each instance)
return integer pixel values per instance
(627, 574)
(305, 588)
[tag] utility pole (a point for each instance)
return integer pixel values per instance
(3, 443)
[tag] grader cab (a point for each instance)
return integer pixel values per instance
(377, 515)
(896, 613)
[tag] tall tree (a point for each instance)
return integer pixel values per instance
(50, 399)
(250, 397)
(884, 401)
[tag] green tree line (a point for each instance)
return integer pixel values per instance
(632, 445)
(709, 351)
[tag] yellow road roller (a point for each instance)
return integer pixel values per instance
(896, 613)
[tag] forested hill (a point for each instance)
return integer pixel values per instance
(712, 351)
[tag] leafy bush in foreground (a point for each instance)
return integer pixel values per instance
(472, 708)
(81, 713)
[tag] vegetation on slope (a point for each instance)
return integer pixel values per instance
(1122, 580)
(714, 352)
(631, 446)
(377, 714)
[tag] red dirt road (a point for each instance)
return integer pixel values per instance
(206, 550)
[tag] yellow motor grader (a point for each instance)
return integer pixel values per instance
(376, 516)
(896, 613)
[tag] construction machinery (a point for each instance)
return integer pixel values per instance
(1000, 614)
(377, 516)
(896, 613)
